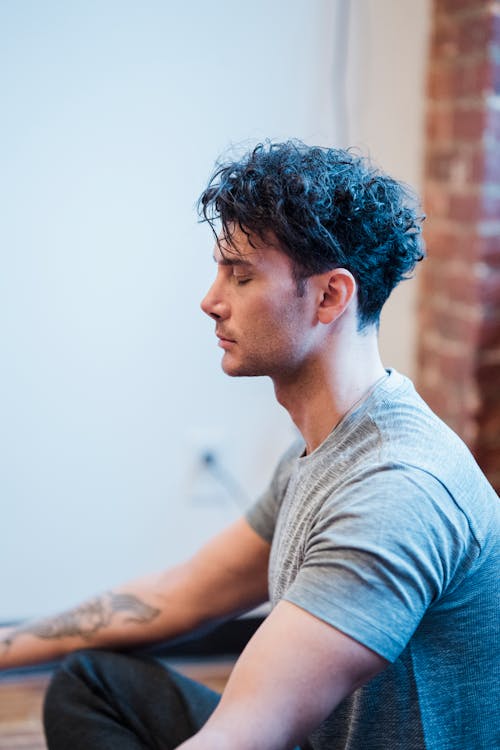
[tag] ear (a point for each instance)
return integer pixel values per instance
(338, 290)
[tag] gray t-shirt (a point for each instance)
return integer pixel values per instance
(390, 532)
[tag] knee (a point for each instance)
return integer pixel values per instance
(99, 690)
(79, 666)
(77, 675)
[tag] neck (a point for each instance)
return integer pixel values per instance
(329, 385)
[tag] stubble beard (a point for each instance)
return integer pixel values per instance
(243, 370)
(263, 365)
(274, 354)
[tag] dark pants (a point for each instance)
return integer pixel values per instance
(101, 700)
(111, 701)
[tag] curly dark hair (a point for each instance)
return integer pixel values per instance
(328, 208)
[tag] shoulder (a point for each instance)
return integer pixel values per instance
(425, 450)
(262, 515)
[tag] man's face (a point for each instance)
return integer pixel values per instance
(261, 321)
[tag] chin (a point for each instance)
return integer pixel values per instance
(237, 370)
(244, 372)
(227, 367)
(233, 372)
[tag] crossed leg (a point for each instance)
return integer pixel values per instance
(112, 701)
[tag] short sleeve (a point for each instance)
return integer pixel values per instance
(262, 515)
(379, 553)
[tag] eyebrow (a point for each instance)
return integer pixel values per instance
(232, 261)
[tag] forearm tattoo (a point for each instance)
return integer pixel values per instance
(86, 619)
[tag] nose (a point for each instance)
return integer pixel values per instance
(213, 305)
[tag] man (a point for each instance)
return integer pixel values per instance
(377, 540)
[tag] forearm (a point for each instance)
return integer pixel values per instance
(248, 721)
(241, 732)
(227, 576)
(140, 612)
(224, 739)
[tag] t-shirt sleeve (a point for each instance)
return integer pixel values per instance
(379, 554)
(263, 513)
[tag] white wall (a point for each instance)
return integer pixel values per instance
(113, 113)
(387, 52)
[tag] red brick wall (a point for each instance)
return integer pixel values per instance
(459, 302)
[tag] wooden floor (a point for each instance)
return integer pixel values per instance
(21, 700)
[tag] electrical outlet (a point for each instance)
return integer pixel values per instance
(201, 442)
(211, 477)
(204, 448)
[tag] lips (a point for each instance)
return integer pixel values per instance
(224, 341)
(223, 337)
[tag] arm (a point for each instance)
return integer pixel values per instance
(295, 670)
(227, 576)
